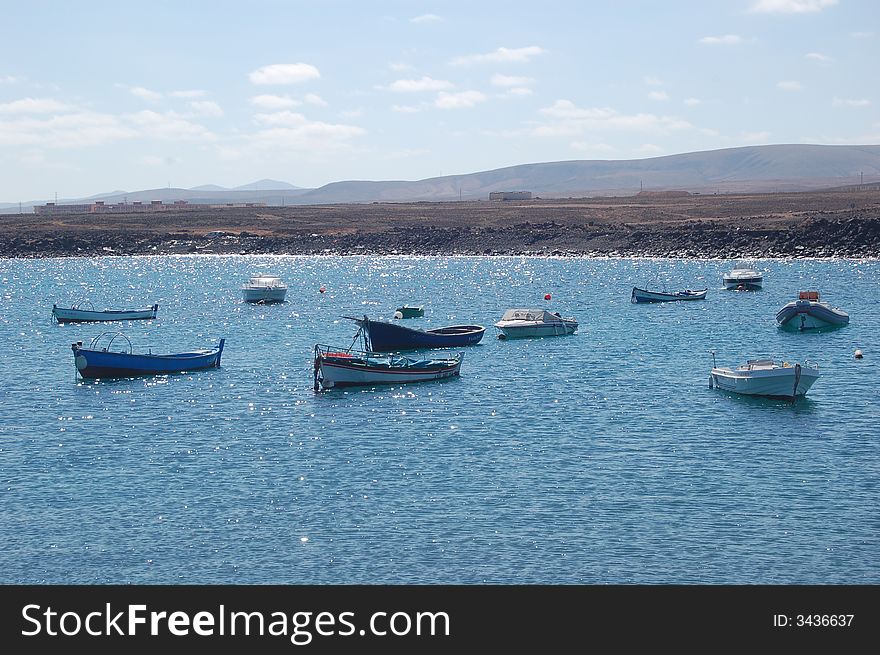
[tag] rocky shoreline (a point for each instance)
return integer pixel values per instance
(697, 227)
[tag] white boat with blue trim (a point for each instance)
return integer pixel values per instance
(743, 277)
(343, 367)
(525, 323)
(766, 377)
(264, 289)
(77, 314)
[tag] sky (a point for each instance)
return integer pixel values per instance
(104, 96)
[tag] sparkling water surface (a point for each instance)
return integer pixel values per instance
(601, 457)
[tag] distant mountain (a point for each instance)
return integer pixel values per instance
(750, 169)
(266, 185)
(209, 187)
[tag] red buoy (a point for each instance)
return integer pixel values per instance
(322, 289)
(547, 296)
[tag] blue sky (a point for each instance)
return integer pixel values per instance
(100, 96)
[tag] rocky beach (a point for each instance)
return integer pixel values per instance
(840, 223)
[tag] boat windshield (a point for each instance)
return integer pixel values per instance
(265, 281)
(540, 315)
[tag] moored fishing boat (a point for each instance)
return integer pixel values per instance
(524, 323)
(381, 336)
(264, 289)
(339, 367)
(408, 311)
(766, 377)
(76, 314)
(102, 362)
(809, 312)
(643, 295)
(743, 277)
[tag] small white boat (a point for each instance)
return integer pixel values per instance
(338, 367)
(523, 323)
(809, 312)
(264, 289)
(765, 377)
(76, 314)
(743, 277)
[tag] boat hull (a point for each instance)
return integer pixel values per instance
(531, 331)
(643, 295)
(265, 295)
(809, 315)
(774, 383)
(72, 315)
(747, 283)
(344, 370)
(95, 364)
(389, 337)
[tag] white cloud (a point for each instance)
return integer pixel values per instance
(501, 55)
(789, 85)
(653, 81)
(817, 56)
(755, 137)
(405, 109)
(352, 113)
(569, 120)
(145, 94)
(284, 74)
(34, 106)
(205, 108)
(67, 131)
(862, 35)
(192, 93)
(423, 84)
(727, 39)
(280, 118)
(268, 101)
(427, 18)
(849, 102)
(458, 100)
(315, 137)
(9, 79)
(315, 99)
(517, 92)
(648, 149)
(658, 95)
(692, 102)
(168, 125)
(791, 6)
(510, 80)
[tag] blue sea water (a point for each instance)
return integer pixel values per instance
(598, 458)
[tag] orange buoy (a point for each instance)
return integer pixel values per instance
(547, 296)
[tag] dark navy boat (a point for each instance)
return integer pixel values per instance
(95, 362)
(383, 337)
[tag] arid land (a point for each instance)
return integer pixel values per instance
(808, 224)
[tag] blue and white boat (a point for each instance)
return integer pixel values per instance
(339, 367)
(381, 336)
(76, 314)
(643, 295)
(743, 277)
(102, 362)
(809, 312)
(766, 377)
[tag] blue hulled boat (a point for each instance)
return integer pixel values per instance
(809, 312)
(94, 362)
(643, 295)
(383, 337)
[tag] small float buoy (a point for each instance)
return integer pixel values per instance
(858, 354)
(547, 296)
(322, 289)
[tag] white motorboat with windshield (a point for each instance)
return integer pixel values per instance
(522, 323)
(264, 289)
(743, 277)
